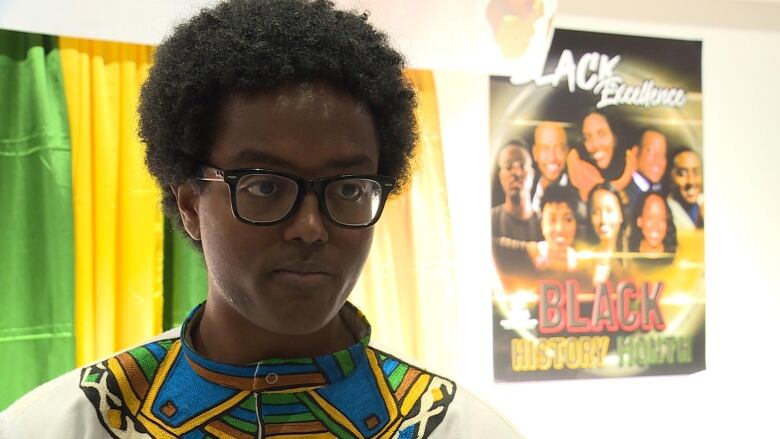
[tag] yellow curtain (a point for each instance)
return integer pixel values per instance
(407, 289)
(117, 216)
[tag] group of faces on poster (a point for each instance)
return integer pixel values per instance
(597, 206)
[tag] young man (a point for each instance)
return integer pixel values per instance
(277, 129)
(651, 166)
(514, 222)
(549, 151)
(686, 199)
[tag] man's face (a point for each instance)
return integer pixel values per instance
(559, 225)
(294, 276)
(550, 148)
(652, 156)
(515, 171)
(686, 176)
(599, 139)
(653, 220)
(606, 215)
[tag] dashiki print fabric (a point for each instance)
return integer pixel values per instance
(164, 389)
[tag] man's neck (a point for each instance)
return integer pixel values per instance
(222, 334)
(521, 210)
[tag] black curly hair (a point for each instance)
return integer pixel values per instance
(243, 46)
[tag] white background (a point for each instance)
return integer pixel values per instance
(737, 395)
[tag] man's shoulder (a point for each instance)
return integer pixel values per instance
(66, 406)
(433, 406)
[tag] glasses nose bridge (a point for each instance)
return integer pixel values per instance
(317, 187)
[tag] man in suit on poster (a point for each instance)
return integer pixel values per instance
(651, 166)
(686, 198)
(549, 151)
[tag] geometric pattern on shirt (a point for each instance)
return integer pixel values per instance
(382, 397)
(390, 399)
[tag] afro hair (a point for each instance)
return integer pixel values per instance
(243, 46)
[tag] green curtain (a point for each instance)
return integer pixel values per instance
(36, 220)
(184, 281)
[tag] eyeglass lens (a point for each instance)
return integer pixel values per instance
(268, 197)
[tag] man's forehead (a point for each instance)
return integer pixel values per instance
(550, 132)
(687, 159)
(513, 153)
(653, 138)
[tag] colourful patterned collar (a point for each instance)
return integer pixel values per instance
(281, 375)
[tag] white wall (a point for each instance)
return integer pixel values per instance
(736, 395)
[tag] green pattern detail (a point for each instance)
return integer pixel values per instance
(323, 417)
(147, 361)
(166, 344)
(279, 398)
(382, 357)
(398, 375)
(284, 419)
(91, 378)
(346, 364)
(249, 403)
(240, 424)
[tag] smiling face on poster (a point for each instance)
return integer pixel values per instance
(613, 278)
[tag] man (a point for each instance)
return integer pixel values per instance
(549, 152)
(686, 199)
(277, 129)
(514, 222)
(651, 166)
(600, 159)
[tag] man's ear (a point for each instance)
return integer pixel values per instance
(187, 201)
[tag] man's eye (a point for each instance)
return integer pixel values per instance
(350, 191)
(262, 188)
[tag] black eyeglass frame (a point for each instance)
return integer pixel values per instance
(231, 177)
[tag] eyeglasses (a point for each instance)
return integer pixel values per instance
(264, 197)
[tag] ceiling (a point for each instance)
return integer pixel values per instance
(740, 14)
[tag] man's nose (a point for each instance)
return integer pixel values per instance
(307, 225)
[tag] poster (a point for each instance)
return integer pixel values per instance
(598, 211)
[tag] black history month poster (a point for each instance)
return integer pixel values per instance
(598, 211)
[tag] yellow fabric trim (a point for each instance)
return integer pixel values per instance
(156, 431)
(124, 386)
(116, 204)
(159, 379)
(414, 393)
(419, 275)
(381, 382)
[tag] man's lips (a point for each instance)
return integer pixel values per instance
(301, 278)
(302, 273)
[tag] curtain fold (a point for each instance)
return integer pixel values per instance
(117, 216)
(407, 289)
(36, 230)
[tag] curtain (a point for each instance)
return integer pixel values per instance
(117, 216)
(36, 230)
(407, 289)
